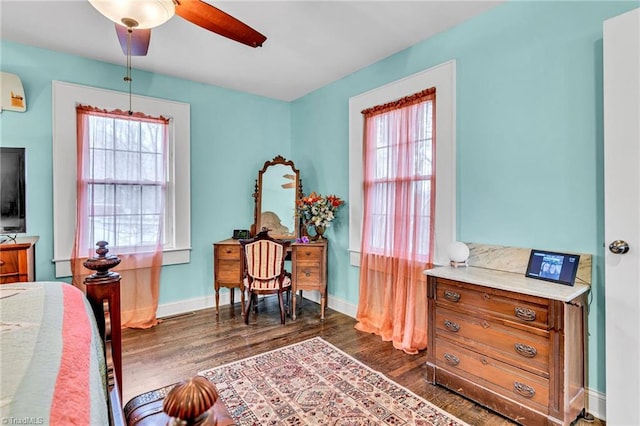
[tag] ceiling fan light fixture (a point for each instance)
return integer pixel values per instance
(146, 13)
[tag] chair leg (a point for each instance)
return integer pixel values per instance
(248, 309)
(281, 307)
(242, 301)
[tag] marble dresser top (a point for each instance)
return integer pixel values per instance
(509, 281)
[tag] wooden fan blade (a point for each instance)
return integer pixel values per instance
(140, 39)
(219, 22)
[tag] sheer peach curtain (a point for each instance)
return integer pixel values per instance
(397, 233)
(120, 199)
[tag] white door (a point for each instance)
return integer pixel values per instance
(622, 216)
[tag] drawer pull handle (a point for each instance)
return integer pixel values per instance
(452, 326)
(526, 350)
(485, 296)
(228, 251)
(1, 262)
(451, 359)
(525, 314)
(524, 390)
(451, 295)
(484, 361)
(485, 324)
(307, 274)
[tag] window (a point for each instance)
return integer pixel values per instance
(390, 183)
(125, 178)
(442, 77)
(177, 224)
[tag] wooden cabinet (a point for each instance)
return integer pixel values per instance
(518, 350)
(17, 260)
(308, 270)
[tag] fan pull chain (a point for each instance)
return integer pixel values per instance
(128, 78)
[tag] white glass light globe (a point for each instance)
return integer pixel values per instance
(146, 13)
(458, 252)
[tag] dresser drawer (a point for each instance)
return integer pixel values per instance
(502, 378)
(228, 251)
(10, 267)
(527, 310)
(9, 262)
(524, 350)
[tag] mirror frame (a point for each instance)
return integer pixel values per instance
(257, 195)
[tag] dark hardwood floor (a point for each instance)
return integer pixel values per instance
(181, 346)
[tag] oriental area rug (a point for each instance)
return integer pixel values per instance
(315, 383)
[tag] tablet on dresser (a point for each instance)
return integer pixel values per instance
(555, 267)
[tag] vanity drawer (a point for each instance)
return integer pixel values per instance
(228, 272)
(527, 310)
(524, 350)
(228, 251)
(308, 273)
(309, 253)
(502, 378)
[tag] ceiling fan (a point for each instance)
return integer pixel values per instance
(135, 18)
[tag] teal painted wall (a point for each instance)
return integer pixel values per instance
(529, 135)
(232, 135)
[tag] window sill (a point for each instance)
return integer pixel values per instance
(169, 257)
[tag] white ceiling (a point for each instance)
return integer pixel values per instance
(309, 43)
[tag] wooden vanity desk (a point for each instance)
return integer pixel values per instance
(511, 343)
(277, 191)
(308, 270)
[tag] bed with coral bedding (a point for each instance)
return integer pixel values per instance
(51, 358)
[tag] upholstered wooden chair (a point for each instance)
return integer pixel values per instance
(264, 271)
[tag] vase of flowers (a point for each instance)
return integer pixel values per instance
(318, 211)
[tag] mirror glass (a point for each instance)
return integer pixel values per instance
(278, 188)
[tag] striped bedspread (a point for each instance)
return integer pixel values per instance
(51, 359)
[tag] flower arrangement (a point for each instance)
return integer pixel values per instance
(318, 210)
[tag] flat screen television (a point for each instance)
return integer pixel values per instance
(13, 212)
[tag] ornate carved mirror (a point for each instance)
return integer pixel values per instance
(278, 188)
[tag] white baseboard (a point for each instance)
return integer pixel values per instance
(334, 303)
(190, 305)
(596, 401)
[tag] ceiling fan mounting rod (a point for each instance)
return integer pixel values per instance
(128, 78)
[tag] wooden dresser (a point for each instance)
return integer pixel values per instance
(513, 344)
(308, 269)
(17, 260)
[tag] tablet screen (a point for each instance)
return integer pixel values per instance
(550, 266)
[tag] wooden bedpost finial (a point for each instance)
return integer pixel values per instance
(102, 263)
(190, 402)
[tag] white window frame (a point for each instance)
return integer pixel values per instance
(66, 96)
(443, 78)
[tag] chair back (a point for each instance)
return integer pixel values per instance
(264, 261)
